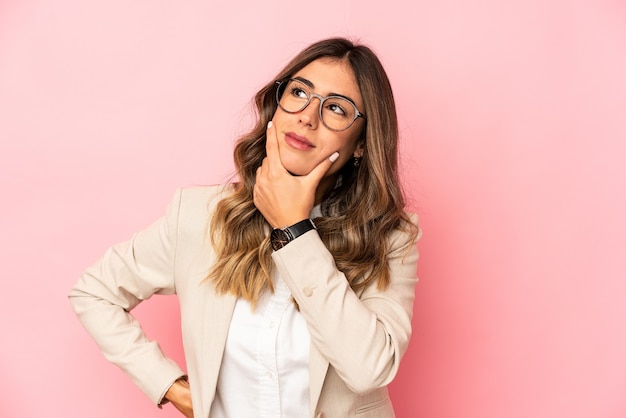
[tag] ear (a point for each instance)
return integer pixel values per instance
(359, 150)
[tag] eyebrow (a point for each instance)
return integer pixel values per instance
(311, 85)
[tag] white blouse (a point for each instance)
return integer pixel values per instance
(265, 368)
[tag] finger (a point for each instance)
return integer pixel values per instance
(322, 168)
(258, 181)
(263, 167)
(271, 148)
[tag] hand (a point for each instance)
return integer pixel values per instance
(282, 198)
(179, 395)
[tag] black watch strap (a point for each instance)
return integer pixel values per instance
(282, 237)
(299, 228)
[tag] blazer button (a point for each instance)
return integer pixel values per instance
(307, 291)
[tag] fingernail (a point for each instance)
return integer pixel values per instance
(334, 157)
(269, 124)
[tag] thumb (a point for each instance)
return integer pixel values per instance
(322, 168)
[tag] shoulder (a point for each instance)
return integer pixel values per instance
(200, 195)
(200, 199)
(194, 205)
(413, 217)
(408, 229)
(402, 241)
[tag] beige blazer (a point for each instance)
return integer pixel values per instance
(357, 341)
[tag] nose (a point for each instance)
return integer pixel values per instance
(310, 114)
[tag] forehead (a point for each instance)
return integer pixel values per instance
(330, 75)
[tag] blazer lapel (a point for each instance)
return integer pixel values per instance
(318, 367)
(218, 312)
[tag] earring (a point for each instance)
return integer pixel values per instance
(356, 161)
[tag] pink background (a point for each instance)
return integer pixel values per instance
(513, 121)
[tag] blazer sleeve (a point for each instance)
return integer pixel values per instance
(362, 336)
(127, 274)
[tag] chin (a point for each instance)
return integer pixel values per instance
(297, 172)
(296, 168)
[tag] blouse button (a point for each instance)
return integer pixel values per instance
(307, 291)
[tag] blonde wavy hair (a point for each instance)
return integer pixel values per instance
(363, 209)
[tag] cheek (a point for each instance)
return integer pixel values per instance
(344, 157)
(276, 117)
(346, 152)
(348, 145)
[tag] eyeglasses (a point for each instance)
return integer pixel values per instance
(337, 113)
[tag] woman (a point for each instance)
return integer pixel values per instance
(296, 283)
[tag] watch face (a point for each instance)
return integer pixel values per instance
(279, 239)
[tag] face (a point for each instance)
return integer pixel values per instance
(303, 140)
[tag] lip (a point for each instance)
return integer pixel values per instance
(298, 142)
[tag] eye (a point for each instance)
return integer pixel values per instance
(297, 90)
(336, 108)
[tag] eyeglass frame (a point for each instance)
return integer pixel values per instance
(322, 99)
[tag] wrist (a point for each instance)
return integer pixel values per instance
(179, 384)
(290, 219)
(283, 236)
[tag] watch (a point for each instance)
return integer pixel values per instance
(283, 236)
